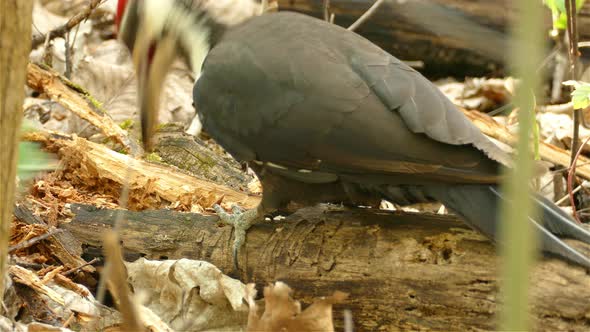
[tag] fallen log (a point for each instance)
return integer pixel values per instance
(403, 271)
(458, 38)
(87, 163)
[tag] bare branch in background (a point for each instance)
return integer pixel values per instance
(327, 10)
(366, 15)
(70, 24)
(572, 34)
(570, 180)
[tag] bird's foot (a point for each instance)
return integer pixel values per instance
(241, 221)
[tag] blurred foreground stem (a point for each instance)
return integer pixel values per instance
(518, 242)
(15, 46)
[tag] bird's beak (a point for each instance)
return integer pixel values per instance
(152, 54)
(152, 62)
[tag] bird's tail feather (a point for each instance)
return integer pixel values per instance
(478, 205)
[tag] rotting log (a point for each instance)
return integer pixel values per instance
(403, 271)
(196, 156)
(84, 162)
(458, 48)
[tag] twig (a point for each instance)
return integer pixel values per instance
(123, 202)
(68, 72)
(76, 269)
(558, 108)
(416, 64)
(327, 10)
(71, 23)
(69, 320)
(564, 198)
(34, 240)
(48, 52)
(366, 15)
(572, 34)
(570, 179)
(117, 282)
(30, 279)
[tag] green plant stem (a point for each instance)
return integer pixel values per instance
(518, 242)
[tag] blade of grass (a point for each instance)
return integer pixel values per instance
(516, 233)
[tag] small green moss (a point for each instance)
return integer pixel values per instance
(127, 124)
(153, 157)
(97, 105)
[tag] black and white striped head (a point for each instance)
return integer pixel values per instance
(193, 24)
(159, 31)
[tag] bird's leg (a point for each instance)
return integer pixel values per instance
(241, 221)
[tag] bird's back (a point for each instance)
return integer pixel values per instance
(291, 90)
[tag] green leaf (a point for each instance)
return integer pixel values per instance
(31, 159)
(558, 12)
(581, 94)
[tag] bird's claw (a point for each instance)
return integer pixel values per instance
(241, 221)
(236, 209)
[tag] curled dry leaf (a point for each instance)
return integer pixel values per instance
(479, 93)
(189, 295)
(282, 313)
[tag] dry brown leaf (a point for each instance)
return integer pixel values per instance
(189, 295)
(282, 313)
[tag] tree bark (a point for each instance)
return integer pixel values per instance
(15, 44)
(403, 271)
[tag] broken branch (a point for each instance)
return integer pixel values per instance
(77, 101)
(69, 25)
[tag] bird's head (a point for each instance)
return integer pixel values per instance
(159, 31)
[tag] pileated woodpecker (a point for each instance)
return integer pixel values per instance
(323, 115)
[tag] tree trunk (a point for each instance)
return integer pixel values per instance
(15, 44)
(403, 271)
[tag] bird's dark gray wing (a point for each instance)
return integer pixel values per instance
(315, 97)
